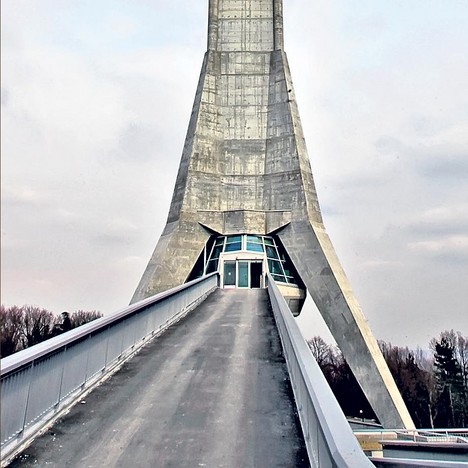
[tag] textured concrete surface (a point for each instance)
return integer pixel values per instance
(212, 391)
(245, 169)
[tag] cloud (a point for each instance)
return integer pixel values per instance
(121, 26)
(444, 163)
(96, 99)
(22, 196)
(452, 246)
(451, 220)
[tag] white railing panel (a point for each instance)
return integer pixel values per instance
(43, 388)
(114, 346)
(14, 393)
(74, 363)
(97, 354)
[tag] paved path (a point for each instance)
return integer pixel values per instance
(212, 391)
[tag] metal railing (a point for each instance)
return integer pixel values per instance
(40, 382)
(328, 436)
(448, 435)
(410, 462)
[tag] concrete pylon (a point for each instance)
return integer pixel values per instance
(245, 170)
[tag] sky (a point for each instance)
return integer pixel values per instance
(96, 98)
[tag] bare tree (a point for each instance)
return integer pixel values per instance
(321, 350)
(462, 354)
(36, 325)
(80, 317)
(10, 324)
(21, 327)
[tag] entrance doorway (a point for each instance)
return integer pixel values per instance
(256, 273)
(230, 273)
(242, 274)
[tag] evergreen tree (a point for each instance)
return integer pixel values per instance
(451, 404)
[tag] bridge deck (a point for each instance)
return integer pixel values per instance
(212, 391)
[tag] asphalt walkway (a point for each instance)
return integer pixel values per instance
(212, 391)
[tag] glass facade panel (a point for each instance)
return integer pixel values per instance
(219, 241)
(233, 247)
(212, 266)
(271, 252)
(243, 279)
(257, 239)
(275, 267)
(216, 251)
(279, 278)
(247, 271)
(254, 247)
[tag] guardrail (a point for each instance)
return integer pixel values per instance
(328, 436)
(410, 462)
(39, 383)
(454, 435)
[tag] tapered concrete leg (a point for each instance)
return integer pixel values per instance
(315, 259)
(173, 258)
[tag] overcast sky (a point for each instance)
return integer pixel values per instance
(96, 98)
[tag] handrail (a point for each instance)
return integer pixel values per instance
(20, 358)
(40, 382)
(328, 436)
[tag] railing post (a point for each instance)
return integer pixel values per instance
(59, 396)
(27, 398)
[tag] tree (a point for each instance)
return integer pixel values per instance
(347, 390)
(462, 350)
(412, 380)
(341, 380)
(36, 325)
(10, 323)
(452, 402)
(321, 350)
(80, 317)
(434, 386)
(21, 327)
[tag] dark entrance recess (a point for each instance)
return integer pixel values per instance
(256, 271)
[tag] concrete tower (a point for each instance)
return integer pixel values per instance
(245, 200)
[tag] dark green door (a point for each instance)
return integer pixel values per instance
(230, 273)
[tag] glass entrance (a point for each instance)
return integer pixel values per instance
(243, 279)
(229, 273)
(242, 273)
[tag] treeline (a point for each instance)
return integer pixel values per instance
(22, 327)
(434, 385)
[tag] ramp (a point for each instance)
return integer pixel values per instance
(212, 391)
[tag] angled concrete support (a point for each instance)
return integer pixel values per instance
(245, 170)
(315, 259)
